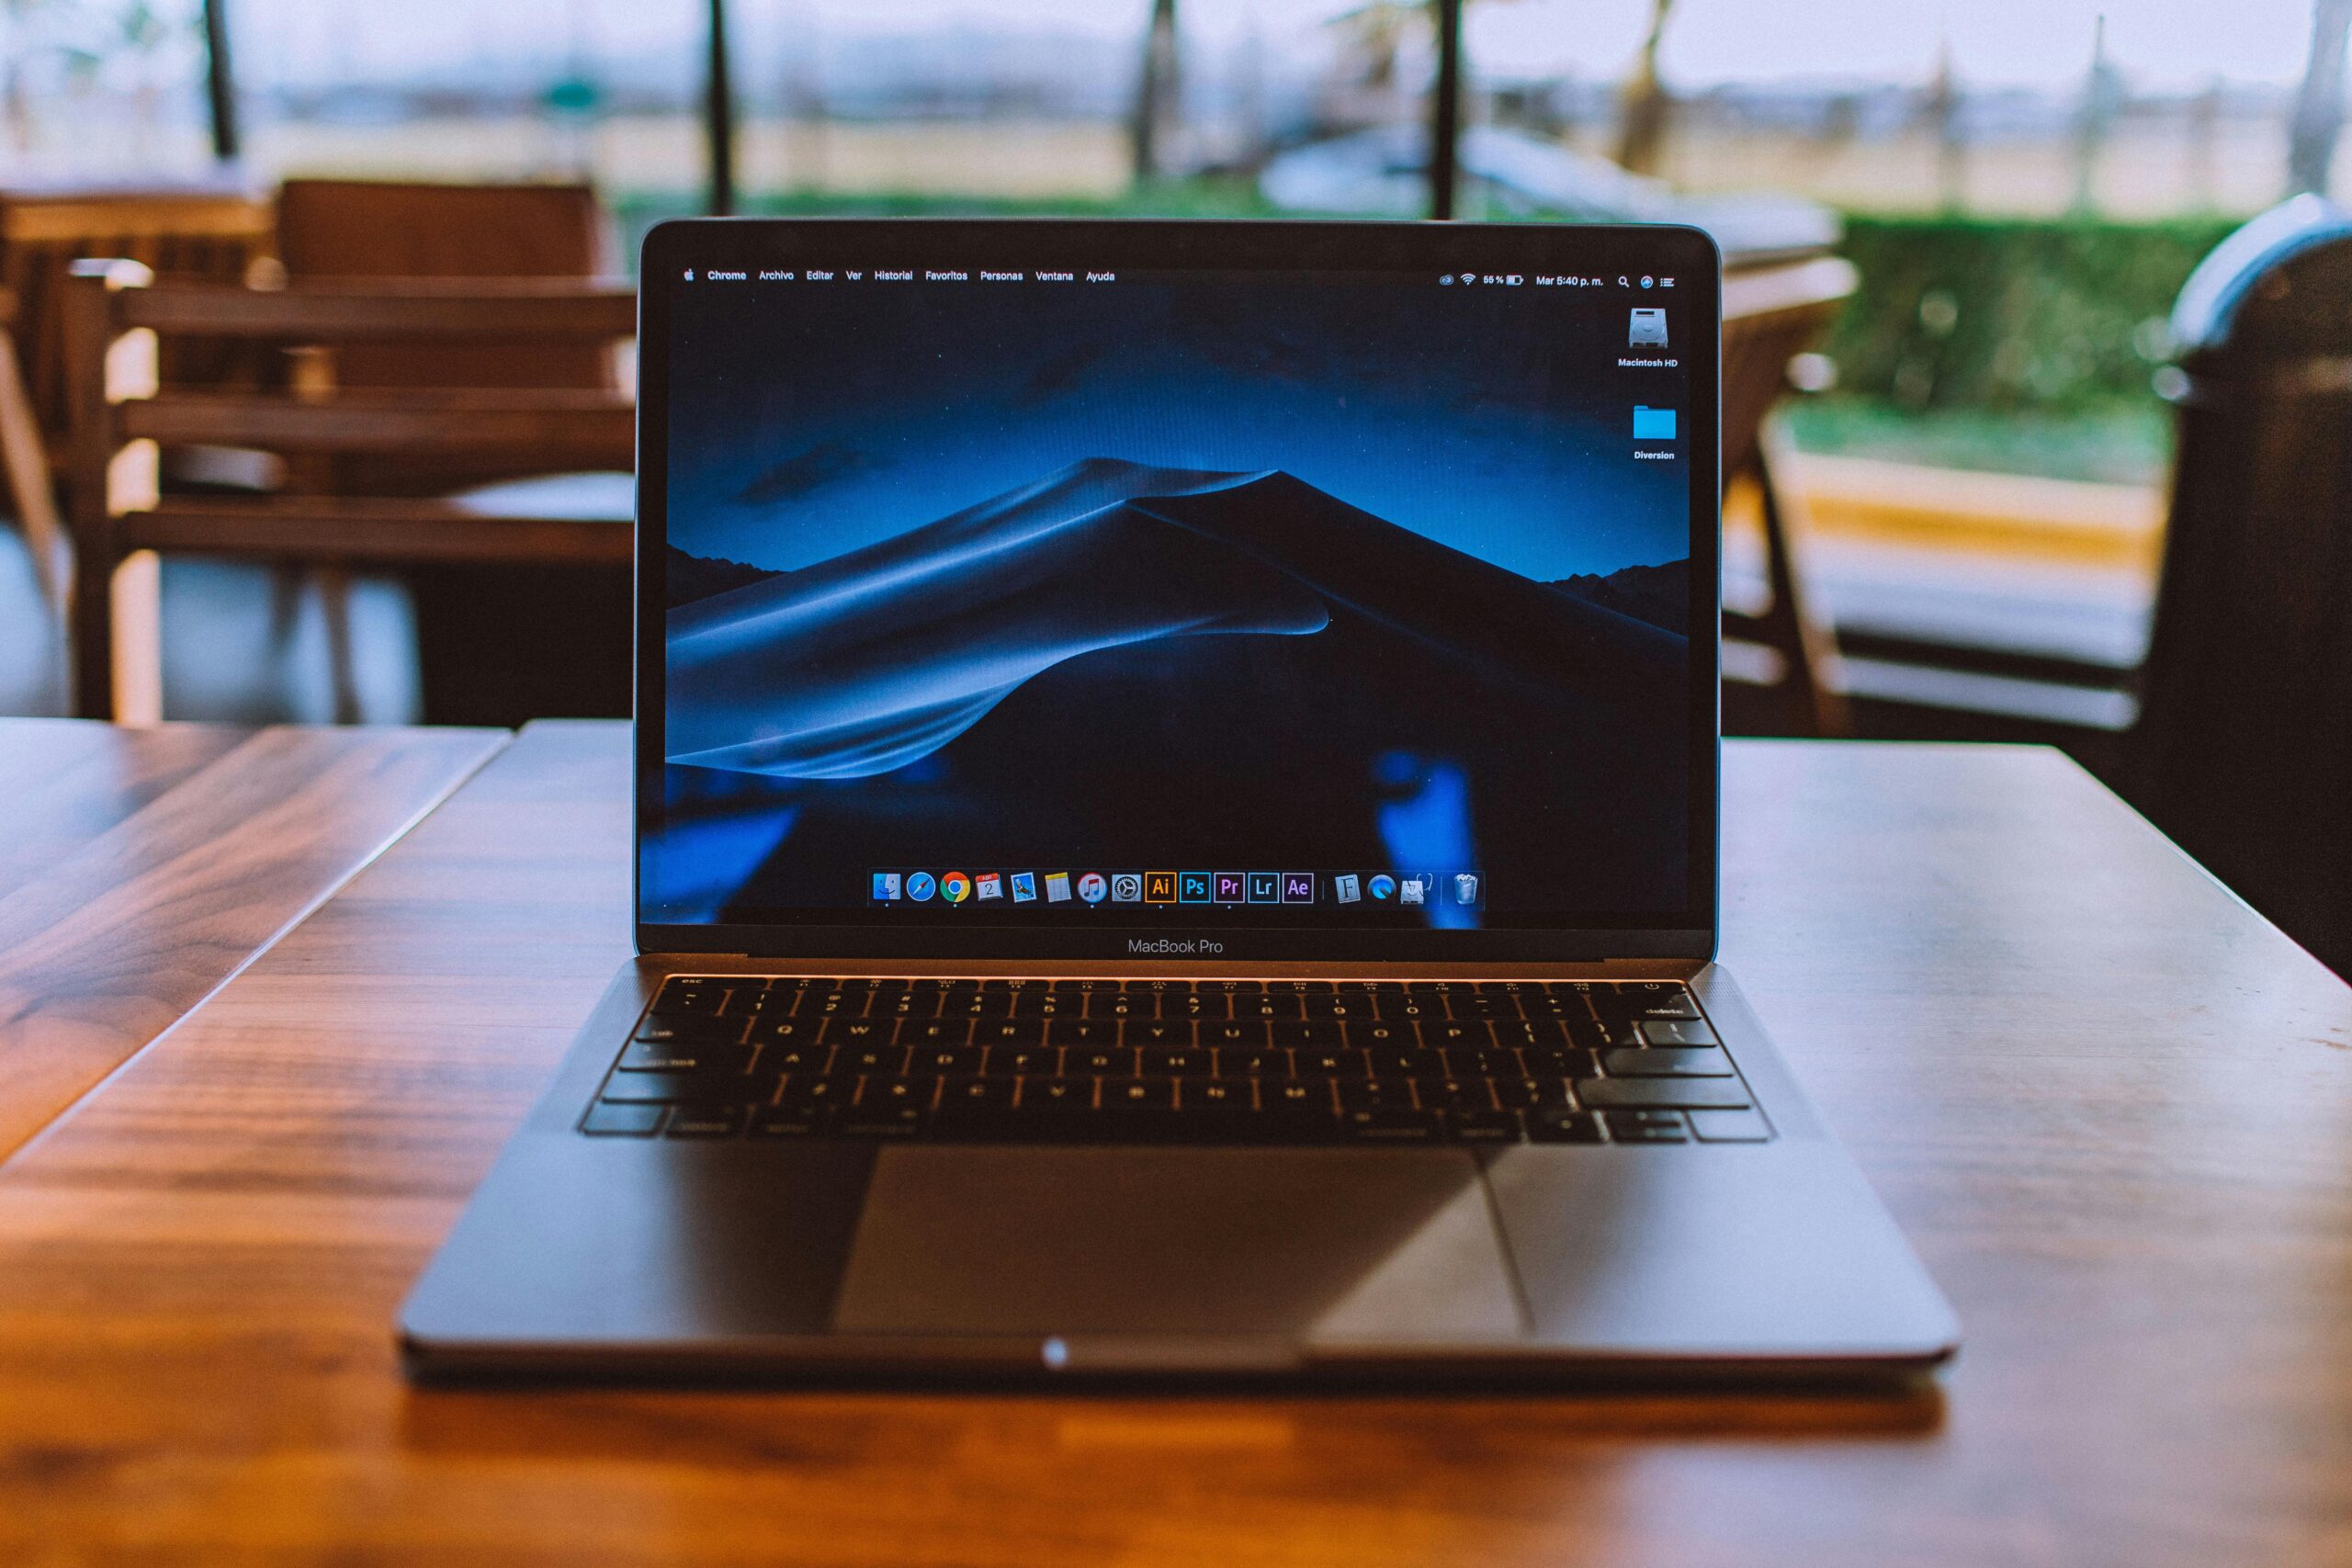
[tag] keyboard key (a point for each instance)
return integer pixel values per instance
(651, 1088)
(882, 1121)
(1522, 1094)
(920, 1032)
(1458, 1034)
(696, 1029)
(947, 1060)
(1367, 1094)
(1673, 1001)
(789, 1121)
(1253, 1063)
(1469, 1063)
(1730, 1126)
(643, 1056)
(1664, 1094)
(1109, 1062)
(706, 1121)
(1176, 1064)
(623, 1120)
(1273, 1095)
(996, 1093)
(1638, 998)
(806, 1089)
(1009, 1032)
(1644, 1127)
(795, 1059)
(1678, 1032)
(889, 1060)
(1165, 1033)
(1024, 1061)
(1447, 1094)
(882, 1091)
(690, 996)
(1393, 1126)
(1139, 1094)
(1055, 1094)
(766, 1031)
(1237, 1035)
(1483, 1126)
(1325, 1036)
(1329, 1064)
(1567, 1063)
(1660, 1062)
(1212, 1094)
(1412, 1063)
(1554, 1125)
(1068, 1031)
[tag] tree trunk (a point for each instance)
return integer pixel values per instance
(2319, 106)
(1641, 142)
(1156, 93)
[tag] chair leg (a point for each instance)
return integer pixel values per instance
(25, 461)
(334, 599)
(1795, 630)
(137, 633)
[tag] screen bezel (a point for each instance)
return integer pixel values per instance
(1160, 245)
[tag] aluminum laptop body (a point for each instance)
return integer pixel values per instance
(1177, 824)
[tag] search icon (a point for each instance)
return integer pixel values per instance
(1621, 283)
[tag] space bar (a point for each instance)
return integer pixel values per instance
(998, 1125)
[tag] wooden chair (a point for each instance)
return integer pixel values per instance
(344, 230)
(2242, 751)
(118, 319)
(23, 460)
(197, 232)
(1772, 315)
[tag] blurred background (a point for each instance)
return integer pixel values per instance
(1972, 458)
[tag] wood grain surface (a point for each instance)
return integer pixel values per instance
(2112, 1108)
(140, 868)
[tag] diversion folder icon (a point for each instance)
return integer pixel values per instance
(1653, 424)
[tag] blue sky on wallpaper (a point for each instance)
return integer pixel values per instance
(811, 419)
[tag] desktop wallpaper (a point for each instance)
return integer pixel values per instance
(1294, 573)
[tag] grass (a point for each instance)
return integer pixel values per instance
(2123, 444)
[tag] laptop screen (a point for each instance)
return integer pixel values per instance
(1011, 582)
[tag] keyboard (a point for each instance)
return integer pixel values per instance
(1272, 1062)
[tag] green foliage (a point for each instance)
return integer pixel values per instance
(2012, 315)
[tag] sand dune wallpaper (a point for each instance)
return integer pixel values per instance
(1168, 575)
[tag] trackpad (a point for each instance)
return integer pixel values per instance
(1327, 1246)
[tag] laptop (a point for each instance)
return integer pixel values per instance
(1176, 836)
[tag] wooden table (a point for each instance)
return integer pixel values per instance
(140, 868)
(2112, 1108)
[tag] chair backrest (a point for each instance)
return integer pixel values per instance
(1772, 314)
(346, 229)
(2243, 752)
(122, 415)
(194, 232)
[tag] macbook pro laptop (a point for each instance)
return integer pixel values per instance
(1176, 834)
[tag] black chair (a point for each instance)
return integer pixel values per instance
(2242, 751)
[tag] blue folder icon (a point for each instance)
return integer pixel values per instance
(1653, 424)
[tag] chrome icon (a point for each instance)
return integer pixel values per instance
(954, 886)
(1092, 889)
